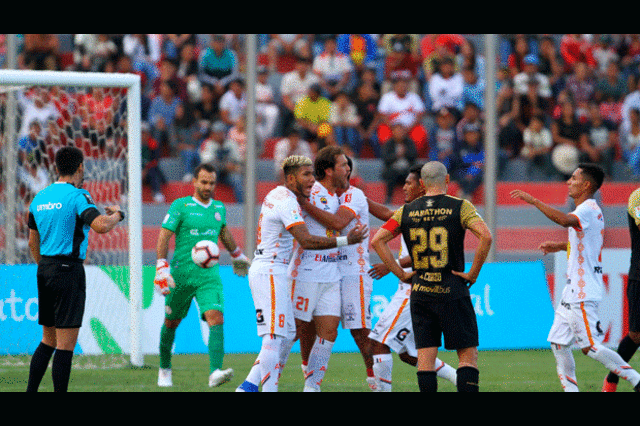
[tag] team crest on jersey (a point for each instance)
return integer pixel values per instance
(217, 216)
(323, 200)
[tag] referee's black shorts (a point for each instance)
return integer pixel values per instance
(453, 319)
(61, 293)
(633, 302)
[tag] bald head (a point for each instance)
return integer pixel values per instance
(434, 175)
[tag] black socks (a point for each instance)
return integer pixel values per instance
(39, 363)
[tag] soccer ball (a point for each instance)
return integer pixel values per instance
(205, 254)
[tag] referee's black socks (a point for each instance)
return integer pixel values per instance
(61, 370)
(38, 366)
(467, 379)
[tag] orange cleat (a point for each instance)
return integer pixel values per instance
(607, 386)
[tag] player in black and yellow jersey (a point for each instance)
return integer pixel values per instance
(434, 228)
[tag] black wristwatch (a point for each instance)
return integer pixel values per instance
(121, 215)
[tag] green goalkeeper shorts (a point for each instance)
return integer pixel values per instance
(203, 285)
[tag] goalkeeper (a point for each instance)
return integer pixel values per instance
(192, 219)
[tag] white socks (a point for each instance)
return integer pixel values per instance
(269, 362)
(566, 367)
(318, 363)
(383, 370)
(614, 362)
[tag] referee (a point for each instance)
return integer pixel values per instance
(433, 227)
(59, 220)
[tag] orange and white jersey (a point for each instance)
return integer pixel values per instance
(317, 265)
(355, 257)
(584, 255)
(279, 212)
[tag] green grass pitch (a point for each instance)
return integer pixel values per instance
(500, 371)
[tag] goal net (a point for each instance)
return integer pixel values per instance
(40, 112)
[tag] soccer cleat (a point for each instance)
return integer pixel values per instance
(308, 388)
(607, 386)
(164, 378)
(373, 384)
(219, 377)
(247, 387)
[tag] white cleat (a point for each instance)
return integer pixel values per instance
(308, 388)
(219, 377)
(373, 384)
(164, 378)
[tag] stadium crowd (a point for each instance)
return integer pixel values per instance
(401, 98)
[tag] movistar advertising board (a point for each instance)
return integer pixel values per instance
(511, 301)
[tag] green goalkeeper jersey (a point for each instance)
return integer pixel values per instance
(193, 221)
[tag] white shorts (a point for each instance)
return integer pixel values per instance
(394, 327)
(312, 299)
(272, 300)
(576, 322)
(355, 291)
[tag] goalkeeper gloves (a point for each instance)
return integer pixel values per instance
(163, 281)
(240, 263)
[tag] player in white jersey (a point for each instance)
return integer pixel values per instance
(356, 285)
(576, 316)
(281, 222)
(315, 276)
(394, 330)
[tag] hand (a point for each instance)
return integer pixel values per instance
(520, 194)
(163, 280)
(240, 264)
(549, 247)
(114, 209)
(378, 271)
(469, 280)
(407, 277)
(357, 234)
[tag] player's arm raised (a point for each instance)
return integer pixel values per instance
(566, 220)
(239, 260)
(313, 242)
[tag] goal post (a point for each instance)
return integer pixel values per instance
(11, 82)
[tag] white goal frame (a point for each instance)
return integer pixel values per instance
(134, 170)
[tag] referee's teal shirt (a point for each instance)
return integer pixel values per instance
(62, 215)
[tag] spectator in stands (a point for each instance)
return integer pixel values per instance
(185, 138)
(151, 173)
(294, 86)
(469, 58)
(361, 49)
(521, 80)
(344, 120)
(629, 48)
(548, 57)
(530, 103)
(267, 111)
(631, 101)
(91, 52)
(443, 139)
(35, 105)
(515, 60)
(233, 103)
(567, 130)
(537, 144)
(292, 144)
(602, 135)
(287, 44)
(168, 72)
(238, 134)
(445, 88)
(435, 47)
(162, 112)
(472, 88)
(223, 154)
(611, 87)
(366, 102)
(604, 53)
(173, 44)
(218, 65)
(144, 51)
(472, 114)
(311, 111)
(40, 52)
(581, 88)
(333, 69)
(630, 141)
(207, 108)
(399, 154)
(29, 149)
(469, 166)
(576, 48)
(187, 71)
(401, 55)
(403, 107)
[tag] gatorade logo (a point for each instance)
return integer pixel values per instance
(49, 206)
